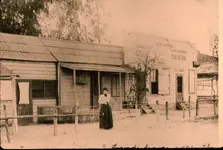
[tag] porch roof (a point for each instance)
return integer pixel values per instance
(96, 67)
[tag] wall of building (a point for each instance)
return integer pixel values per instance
(67, 88)
(106, 81)
(33, 71)
(84, 90)
(176, 56)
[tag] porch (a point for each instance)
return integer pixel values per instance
(80, 85)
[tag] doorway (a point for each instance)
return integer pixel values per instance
(179, 88)
(94, 89)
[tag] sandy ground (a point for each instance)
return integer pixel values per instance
(141, 131)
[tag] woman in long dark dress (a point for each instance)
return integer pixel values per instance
(106, 120)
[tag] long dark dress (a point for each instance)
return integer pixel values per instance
(106, 120)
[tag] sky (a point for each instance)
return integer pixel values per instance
(195, 21)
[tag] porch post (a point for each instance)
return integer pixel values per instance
(99, 84)
(217, 85)
(120, 86)
(58, 84)
(15, 121)
(75, 88)
(75, 97)
(211, 86)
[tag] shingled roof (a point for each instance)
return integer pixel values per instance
(206, 58)
(208, 64)
(29, 48)
(20, 47)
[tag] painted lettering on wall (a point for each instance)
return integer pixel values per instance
(164, 44)
(142, 47)
(179, 55)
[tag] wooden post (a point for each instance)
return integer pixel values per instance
(15, 121)
(58, 84)
(217, 85)
(189, 107)
(55, 121)
(197, 107)
(211, 86)
(75, 97)
(214, 104)
(166, 110)
(120, 90)
(6, 123)
(99, 84)
(157, 110)
(183, 111)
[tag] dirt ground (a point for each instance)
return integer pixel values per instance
(141, 131)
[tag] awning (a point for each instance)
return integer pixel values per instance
(93, 67)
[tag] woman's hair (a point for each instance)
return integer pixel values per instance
(104, 89)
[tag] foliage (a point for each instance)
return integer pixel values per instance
(20, 16)
(143, 65)
(214, 45)
(77, 20)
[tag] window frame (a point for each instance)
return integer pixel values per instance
(117, 85)
(157, 81)
(44, 90)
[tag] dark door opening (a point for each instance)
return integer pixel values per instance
(179, 86)
(94, 90)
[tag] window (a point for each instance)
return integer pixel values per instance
(115, 86)
(44, 89)
(154, 81)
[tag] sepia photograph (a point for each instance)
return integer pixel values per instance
(109, 74)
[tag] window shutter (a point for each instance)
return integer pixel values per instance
(164, 81)
(24, 92)
(6, 90)
(191, 81)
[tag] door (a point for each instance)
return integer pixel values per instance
(179, 88)
(94, 89)
(24, 102)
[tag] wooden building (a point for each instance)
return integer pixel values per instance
(207, 75)
(173, 76)
(56, 72)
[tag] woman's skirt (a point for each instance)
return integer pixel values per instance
(106, 120)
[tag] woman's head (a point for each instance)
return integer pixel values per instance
(105, 90)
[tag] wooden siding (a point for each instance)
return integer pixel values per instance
(88, 59)
(171, 98)
(67, 51)
(178, 56)
(9, 107)
(83, 92)
(106, 82)
(44, 102)
(32, 70)
(67, 88)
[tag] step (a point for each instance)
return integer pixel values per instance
(131, 113)
(147, 110)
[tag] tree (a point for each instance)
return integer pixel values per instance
(214, 45)
(143, 65)
(77, 20)
(20, 16)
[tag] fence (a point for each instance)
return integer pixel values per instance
(56, 114)
(205, 103)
